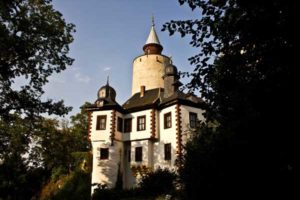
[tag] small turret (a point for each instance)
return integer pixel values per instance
(171, 80)
(106, 94)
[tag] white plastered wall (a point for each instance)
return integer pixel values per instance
(185, 118)
(138, 135)
(165, 136)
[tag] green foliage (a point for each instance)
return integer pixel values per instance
(75, 185)
(34, 42)
(160, 181)
(49, 149)
(246, 72)
(152, 185)
(79, 127)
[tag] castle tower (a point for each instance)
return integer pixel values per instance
(149, 68)
(150, 129)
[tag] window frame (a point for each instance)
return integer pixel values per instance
(193, 122)
(168, 151)
(139, 126)
(166, 124)
(104, 154)
(120, 126)
(138, 154)
(99, 123)
(126, 129)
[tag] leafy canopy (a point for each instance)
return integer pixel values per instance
(246, 72)
(34, 43)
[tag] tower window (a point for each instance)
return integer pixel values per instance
(127, 125)
(101, 122)
(120, 124)
(104, 152)
(168, 151)
(193, 120)
(141, 123)
(167, 120)
(139, 154)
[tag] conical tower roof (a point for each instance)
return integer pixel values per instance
(152, 45)
(152, 38)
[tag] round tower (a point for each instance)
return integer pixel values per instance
(148, 69)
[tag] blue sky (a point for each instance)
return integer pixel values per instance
(109, 35)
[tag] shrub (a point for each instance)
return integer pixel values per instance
(160, 181)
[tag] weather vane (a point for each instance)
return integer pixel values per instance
(153, 20)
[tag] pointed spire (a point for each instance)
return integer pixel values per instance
(152, 45)
(152, 38)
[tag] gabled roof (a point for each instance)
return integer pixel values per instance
(136, 101)
(155, 98)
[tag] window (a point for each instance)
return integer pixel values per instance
(141, 123)
(120, 124)
(127, 125)
(139, 154)
(193, 120)
(168, 151)
(104, 153)
(101, 122)
(167, 120)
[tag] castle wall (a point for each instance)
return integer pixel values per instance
(106, 171)
(148, 71)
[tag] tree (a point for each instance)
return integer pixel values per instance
(246, 72)
(34, 43)
(79, 128)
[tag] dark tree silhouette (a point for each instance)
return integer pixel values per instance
(246, 72)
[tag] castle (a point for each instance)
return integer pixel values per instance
(149, 130)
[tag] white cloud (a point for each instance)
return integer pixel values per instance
(107, 69)
(82, 78)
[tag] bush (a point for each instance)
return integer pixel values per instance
(158, 182)
(151, 186)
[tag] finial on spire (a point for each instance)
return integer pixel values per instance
(171, 61)
(107, 82)
(153, 24)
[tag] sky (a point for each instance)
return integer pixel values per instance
(109, 35)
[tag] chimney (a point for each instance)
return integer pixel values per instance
(143, 88)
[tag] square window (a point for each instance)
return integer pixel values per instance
(167, 120)
(101, 122)
(104, 153)
(120, 124)
(168, 151)
(127, 125)
(193, 120)
(141, 123)
(139, 154)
